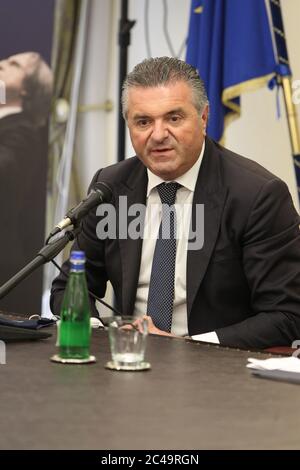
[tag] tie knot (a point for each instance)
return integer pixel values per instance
(167, 192)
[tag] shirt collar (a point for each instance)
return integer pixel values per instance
(187, 180)
(7, 110)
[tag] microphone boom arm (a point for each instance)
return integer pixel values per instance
(46, 254)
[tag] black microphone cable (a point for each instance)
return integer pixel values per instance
(91, 294)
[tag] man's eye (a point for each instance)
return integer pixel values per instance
(142, 122)
(175, 118)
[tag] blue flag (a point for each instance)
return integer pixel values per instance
(229, 42)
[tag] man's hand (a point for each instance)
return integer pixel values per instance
(152, 329)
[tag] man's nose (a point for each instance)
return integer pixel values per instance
(160, 132)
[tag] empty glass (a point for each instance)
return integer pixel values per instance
(127, 339)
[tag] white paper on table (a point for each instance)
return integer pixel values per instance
(286, 369)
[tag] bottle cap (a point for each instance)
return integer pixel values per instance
(77, 254)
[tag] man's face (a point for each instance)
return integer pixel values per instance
(13, 71)
(166, 131)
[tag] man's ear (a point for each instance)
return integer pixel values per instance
(204, 118)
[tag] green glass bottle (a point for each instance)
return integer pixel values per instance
(75, 330)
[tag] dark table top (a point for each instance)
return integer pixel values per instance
(196, 396)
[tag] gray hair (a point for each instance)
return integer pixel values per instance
(38, 85)
(159, 71)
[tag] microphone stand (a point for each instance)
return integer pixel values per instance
(125, 26)
(46, 254)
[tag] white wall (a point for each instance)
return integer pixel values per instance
(96, 140)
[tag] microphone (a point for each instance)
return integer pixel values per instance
(100, 193)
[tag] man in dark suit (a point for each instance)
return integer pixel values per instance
(23, 169)
(241, 286)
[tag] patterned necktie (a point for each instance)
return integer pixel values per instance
(161, 288)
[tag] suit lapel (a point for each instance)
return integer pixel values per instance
(134, 189)
(209, 192)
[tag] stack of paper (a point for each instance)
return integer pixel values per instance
(283, 368)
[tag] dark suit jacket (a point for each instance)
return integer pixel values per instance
(244, 283)
(23, 165)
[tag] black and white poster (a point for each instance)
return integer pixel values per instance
(26, 82)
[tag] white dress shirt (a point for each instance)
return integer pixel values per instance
(183, 206)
